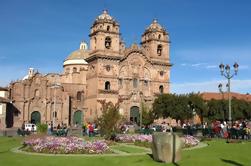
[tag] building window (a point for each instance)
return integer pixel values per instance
(161, 73)
(74, 70)
(108, 28)
(108, 68)
(107, 85)
(146, 82)
(159, 49)
(67, 71)
(79, 95)
(120, 82)
(54, 114)
(108, 42)
(135, 82)
(161, 89)
(159, 37)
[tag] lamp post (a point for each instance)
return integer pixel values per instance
(222, 98)
(225, 71)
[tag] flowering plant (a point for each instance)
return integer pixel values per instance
(126, 138)
(65, 145)
(190, 141)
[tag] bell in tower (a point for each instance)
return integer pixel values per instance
(156, 40)
(105, 34)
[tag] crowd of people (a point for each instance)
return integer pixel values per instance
(59, 130)
(89, 129)
(236, 130)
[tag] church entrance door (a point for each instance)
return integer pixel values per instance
(35, 117)
(77, 117)
(134, 114)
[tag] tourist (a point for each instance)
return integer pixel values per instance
(49, 129)
(23, 126)
(52, 127)
(91, 130)
(87, 129)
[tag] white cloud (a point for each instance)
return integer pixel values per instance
(211, 66)
(198, 64)
(241, 86)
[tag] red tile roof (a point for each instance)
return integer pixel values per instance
(219, 96)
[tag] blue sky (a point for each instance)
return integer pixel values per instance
(203, 33)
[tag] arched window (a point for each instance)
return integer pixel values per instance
(74, 70)
(161, 89)
(159, 49)
(161, 73)
(120, 82)
(108, 28)
(67, 71)
(36, 93)
(159, 37)
(79, 95)
(108, 42)
(107, 85)
(146, 82)
(54, 114)
(135, 82)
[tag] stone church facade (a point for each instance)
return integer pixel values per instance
(106, 70)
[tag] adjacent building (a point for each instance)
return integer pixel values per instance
(3, 107)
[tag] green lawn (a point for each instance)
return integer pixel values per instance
(218, 153)
(128, 149)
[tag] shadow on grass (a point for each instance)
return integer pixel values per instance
(234, 163)
(150, 155)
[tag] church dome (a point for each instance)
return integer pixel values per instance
(105, 17)
(78, 56)
(155, 27)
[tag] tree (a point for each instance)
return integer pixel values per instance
(148, 115)
(172, 105)
(110, 118)
(197, 104)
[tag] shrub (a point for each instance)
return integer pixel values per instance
(42, 128)
(109, 120)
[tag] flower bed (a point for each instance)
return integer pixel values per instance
(65, 145)
(126, 138)
(146, 140)
(190, 141)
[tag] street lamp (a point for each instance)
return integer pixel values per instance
(225, 71)
(222, 98)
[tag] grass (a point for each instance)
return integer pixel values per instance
(128, 149)
(218, 153)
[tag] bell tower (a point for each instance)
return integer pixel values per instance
(156, 41)
(105, 34)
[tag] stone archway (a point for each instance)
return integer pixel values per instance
(134, 114)
(78, 118)
(35, 117)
